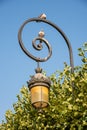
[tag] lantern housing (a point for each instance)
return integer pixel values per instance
(39, 86)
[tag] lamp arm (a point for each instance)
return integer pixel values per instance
(57, 28)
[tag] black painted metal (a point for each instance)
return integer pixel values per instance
(58, 29)
(39, 47)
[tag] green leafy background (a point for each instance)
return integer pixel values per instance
(67, 107)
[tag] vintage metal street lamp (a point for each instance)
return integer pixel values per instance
(39, 84)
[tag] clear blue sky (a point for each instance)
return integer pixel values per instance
(15, 66)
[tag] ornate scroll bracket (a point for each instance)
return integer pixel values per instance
(41, 39)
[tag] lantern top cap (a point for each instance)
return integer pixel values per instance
(39, 79)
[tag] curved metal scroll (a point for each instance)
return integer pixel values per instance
(39, 47)
(58, 29)
(36, 46)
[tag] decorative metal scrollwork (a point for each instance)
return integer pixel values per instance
(38, 46)
(41, 39)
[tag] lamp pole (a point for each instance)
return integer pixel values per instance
(39, 82)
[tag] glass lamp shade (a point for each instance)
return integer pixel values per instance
(39, 86)
(39, 96)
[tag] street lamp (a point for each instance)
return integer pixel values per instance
(39, 84)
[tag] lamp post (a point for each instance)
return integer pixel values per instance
(39, 85)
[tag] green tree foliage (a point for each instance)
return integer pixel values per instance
(67, 108)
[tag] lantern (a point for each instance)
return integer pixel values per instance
(39, 86)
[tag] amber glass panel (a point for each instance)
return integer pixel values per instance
(39, 96)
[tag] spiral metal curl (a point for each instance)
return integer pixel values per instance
(36, 46)
(40, 47)
(54, 26)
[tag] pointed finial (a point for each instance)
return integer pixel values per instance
(42, 16)
(41, 34)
